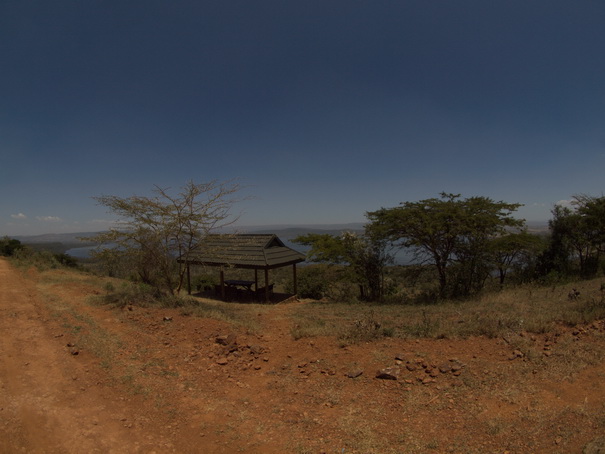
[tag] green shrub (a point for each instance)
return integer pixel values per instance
(312, 282)
(204, 282)
(136, 294)
(66, 260)
(8, 246)
(42, 260)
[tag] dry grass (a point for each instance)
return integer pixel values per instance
(530, 309)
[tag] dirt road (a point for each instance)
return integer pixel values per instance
(47, 401)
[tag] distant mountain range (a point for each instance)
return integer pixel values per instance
(65, 238)
(284, 231)
(289, 232)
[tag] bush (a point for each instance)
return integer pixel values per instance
(66, 260)
(42, 260)
(204, 282)
(138, 294)
(312, 282)
(9, 246)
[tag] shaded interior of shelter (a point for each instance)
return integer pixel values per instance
(256, 254)
(240, 296)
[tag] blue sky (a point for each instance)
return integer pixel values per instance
(322, 109)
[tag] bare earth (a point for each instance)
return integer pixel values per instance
(76, 377)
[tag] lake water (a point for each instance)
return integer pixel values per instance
(403, 257)
(80, 252)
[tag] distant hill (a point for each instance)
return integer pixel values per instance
(57, 243)
(290, 232)
(70, 238)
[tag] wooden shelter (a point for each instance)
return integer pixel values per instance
(251, 251)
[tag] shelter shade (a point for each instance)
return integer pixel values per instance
(250, 251)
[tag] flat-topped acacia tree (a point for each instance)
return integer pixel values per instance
(448, 232)
(153, 232)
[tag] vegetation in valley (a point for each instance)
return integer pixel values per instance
(478, 272)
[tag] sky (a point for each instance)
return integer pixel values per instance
(322, 110)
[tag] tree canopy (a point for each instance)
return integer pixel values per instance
(152, 232)
(577, 236)
(364, 256)
(448, 231)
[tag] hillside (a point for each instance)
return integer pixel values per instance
(215, 377)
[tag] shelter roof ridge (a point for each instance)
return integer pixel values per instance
(245, 250)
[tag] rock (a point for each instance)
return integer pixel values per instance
(222, 361)
(229, 339)
(388, 373)
(167, 319)
(456, 367)
(354, 373)
(400, 357)
(445, 368)
(516, 354)
(411, 367)
(256, 349)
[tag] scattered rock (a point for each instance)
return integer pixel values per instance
(354, 373)
(432, 372)
(222, 361)
(456, 367)
(445, 368)
(166, 319)
(388, 373)
(229, 339)
(516, 354)
(256, 349)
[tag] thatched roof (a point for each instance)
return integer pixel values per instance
(257, 251)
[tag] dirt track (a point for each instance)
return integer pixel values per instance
(154, 380)
(48, 403)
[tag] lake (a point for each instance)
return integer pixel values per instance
(403, 257)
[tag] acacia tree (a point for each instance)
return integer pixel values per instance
(364, 256)
(577, 235)
(449, 233)
(153, 232)
(517, 250)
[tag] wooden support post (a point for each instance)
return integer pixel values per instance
(222, 284)
(255, 279)
(266, 285)
(294, 279)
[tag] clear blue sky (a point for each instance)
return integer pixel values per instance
(323, 109)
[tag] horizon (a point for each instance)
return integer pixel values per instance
(254, 229)
(322, 111)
